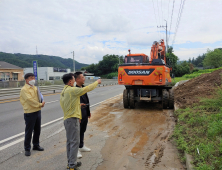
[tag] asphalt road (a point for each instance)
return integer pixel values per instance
(12, 117)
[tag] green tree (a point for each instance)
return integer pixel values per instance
(108, 64)
(198, 62)
(170, 49)
(179, 69)
(213, 58)
(182, 68)
(190, 61)
(173, 59)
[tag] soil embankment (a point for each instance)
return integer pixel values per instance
(193, 90)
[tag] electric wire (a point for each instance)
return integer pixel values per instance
(178, 20)
(168, 10)
(66, 54)
(159, 17)
(162, 11)
(171, 21)
(156, 20)
(162, 18)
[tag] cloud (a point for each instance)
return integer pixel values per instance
(96, 28)
(138, 38)
(108, 23)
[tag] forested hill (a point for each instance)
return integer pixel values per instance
(25, 60)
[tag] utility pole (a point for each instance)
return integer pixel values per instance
(73, 63)
(37, 81)
(36, 51)
(165, 27)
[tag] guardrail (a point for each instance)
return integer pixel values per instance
(50, 88)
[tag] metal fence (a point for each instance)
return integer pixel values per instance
(11, 84)
(52, 88)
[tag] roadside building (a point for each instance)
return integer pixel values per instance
(88, 75)
(10, 72)
(48, 73)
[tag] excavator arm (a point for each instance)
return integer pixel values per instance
(158, 51)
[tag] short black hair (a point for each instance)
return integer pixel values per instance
(76, 75)
(28, 75)
(67, 77)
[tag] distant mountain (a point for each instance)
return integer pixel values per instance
(25, 60)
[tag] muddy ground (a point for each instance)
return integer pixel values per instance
(138, 139)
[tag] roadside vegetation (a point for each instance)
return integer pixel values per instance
(193, 75)
(198, 132)
(107, 67)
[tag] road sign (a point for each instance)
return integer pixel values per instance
(35, 69)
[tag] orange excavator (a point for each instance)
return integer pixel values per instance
(147, 78)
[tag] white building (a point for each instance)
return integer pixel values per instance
(48, 73)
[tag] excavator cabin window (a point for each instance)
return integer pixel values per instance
(133, 59)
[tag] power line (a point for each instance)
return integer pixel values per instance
(178, 19)
(168, 10)
(162, 11)
(171, 20)
(156, 20)
(66, 54)
(158, 10)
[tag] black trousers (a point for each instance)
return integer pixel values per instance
(83, 126)
(32, 124)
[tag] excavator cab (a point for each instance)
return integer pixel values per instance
(133, 59)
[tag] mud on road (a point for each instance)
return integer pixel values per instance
(138, 138)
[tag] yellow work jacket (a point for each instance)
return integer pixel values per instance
(29, 99)
(70, 100)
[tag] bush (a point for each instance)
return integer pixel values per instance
(48, 83)
(195, 70)
(110, 75)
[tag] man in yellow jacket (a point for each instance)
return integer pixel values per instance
(70, 103)
(32, 113)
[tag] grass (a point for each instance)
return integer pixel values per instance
(198, 73)
(110, 75)
(192, 75)
(178, 79)
(200, 129)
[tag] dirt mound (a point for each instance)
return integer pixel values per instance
(200, 87)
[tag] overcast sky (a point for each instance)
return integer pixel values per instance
(94, 28)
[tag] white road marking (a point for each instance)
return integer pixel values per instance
(52, 101)
(22, 139)
(11, 144)
(15, 136)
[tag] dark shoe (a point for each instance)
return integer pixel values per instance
(27, 153)
(38, 148)
(78, 164)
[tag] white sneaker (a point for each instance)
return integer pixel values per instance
(79, 155)
(84, 149)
